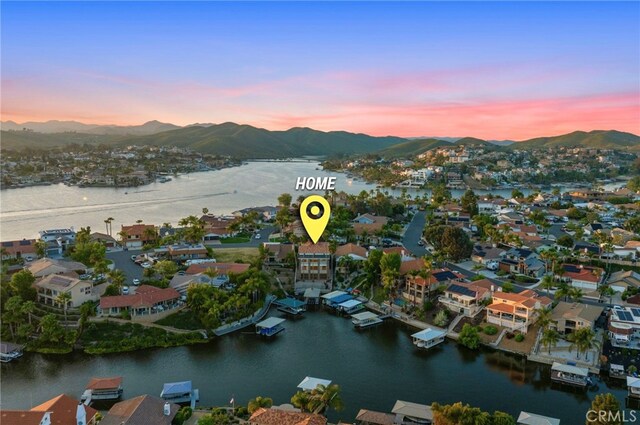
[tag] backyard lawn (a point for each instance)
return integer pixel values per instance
(184, 319)
(230, 255)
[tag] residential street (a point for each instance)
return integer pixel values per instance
(413, 234)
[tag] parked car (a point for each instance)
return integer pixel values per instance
(420, 243)
(258, 236)
(136, 282)
(125, 290)
(146, 265)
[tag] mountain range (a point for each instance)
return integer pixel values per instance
(245, 141)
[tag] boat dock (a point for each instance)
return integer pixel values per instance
(350, 307)
(10, 351)
(570, 375)
(270, 327)
(180, 393)
(617, 371)
(428, 338)
(310, 383)
(633, 392)
(366, 319)
(102, 389)
(291, 306)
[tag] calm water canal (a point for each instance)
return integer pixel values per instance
(374, 368)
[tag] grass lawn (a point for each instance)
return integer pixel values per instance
(229, 255)
(379, 295)
(181, 320)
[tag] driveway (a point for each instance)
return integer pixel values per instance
(253, 243)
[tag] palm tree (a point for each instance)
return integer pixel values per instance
(547, 283)
(107, 224)
(27, 308)
(117, 278)
(575, 294)
(544, 317)
(301, 400)
(563, 291)
(550, 338)
(258, 402)
(123, 237)
(324, 397)
(584, 339)
(606, 291)
(63, 299)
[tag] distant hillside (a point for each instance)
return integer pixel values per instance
(412, 148)
(472, 141)
(53, 126)
(603, 139)
(31, 139)
(245, 141)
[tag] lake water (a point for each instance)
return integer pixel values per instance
(25, 211)
(374, 368)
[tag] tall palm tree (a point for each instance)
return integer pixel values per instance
(606, 291)
(117, 278)
(301, 400)
(63, 299)
(544, 317)
(28, 308)
(324, 397)
(563, 291)
(575, 294)
(547, 283)
(550, 338)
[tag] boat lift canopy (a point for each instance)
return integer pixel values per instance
(428, 334)
(633, 382)
(171, 388)
(269, 323)
(310, 383)
(367, 315)
(349, 304)
(574, 370)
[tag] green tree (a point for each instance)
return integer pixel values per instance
(516, 194)
(469, 203)
(13, 314)
(22, 285)
(63, 299)
(50, 330)
(605, 410)
(258, 402)
(372, 265)
(547, 283)
(166, 269)
(117, 279)
(284, 200)
(324, 397)
(193, 229)
(469, 336)
(565, 240)
(550, 338)
(390, 271)
(460, 414)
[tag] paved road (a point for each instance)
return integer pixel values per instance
(122, 261)
(414, 233)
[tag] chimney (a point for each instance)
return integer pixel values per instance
(167, 409)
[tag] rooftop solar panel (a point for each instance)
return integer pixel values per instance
(635, 312)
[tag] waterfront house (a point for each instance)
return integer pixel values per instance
(217, 228)
(142, 410)
(467, 298)
(49, 266)
(148, 301)
(624, 325)
(24, 417)
(57, 240)
(314, 261)
(278, 254)
(516, 311)
(50, 287)
(368, 225)
(581, 276)
(274, 416)
(526, 418)
(22, 249)
(569, 317)
(67, 410)
(371, 417)
(417, 288)
(408, 412)
(135, 236)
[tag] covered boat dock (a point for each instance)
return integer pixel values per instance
(428, 338)
(180, 393)
(291, 306)
(365, 320)
(270, 327)
(570, 375)
(310, 383)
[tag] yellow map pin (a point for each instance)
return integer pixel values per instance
(315, 212)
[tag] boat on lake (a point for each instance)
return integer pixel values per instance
(10, 351)
(570, 375)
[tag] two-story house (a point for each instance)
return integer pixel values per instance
(314, 261)
(135, 236)
(57, 240)
(417, 288)
(569, 317)
(581, 276)
(49, 289)
(467, 298)
(515, 311)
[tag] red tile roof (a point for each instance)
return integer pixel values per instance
(104, 383)
(351, 248)
(586, 274)
(411, 265)
(64, 410)
(145, 296)
(20, 417)
(314, 248)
